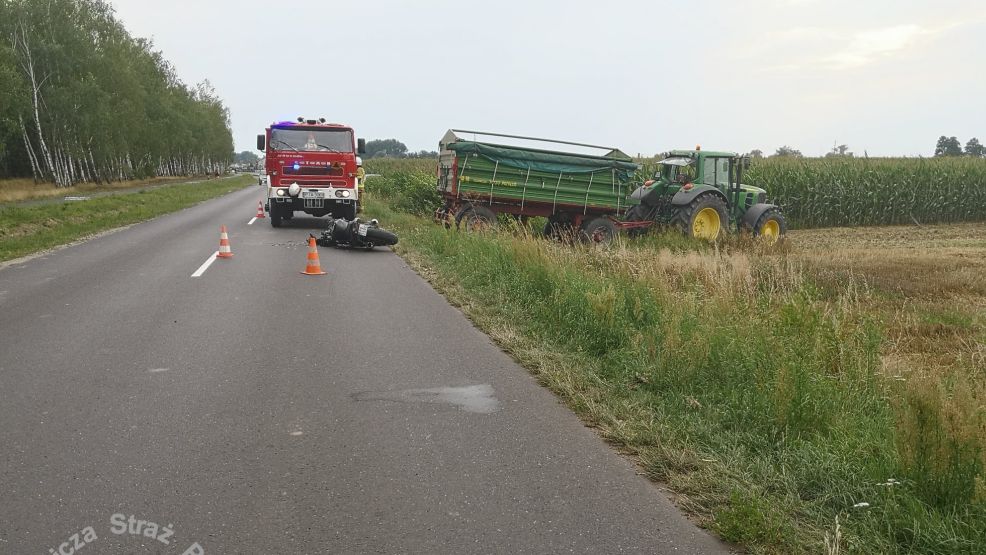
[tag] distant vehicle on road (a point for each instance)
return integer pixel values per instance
(310, 166)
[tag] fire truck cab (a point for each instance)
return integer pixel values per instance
(310, 167)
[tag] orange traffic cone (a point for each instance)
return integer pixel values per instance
(313, 268)
(224, 251)
(260, 209)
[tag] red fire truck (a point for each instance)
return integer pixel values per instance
(310, 168)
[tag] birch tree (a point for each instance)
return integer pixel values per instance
(85, 101)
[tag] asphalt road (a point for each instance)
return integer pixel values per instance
(257, 410)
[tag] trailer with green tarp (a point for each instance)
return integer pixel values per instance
(595, 195)
(479, 179)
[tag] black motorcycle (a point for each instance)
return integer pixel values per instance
(356, 234)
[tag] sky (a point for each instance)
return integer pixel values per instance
(885, 77)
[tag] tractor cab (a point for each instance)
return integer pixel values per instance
(713, 169)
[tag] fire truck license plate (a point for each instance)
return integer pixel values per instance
(362, 229)
(312, 194)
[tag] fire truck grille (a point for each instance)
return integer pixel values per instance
(310, 183)
(313, 170)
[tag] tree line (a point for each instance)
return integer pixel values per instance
(946, 146)
(950, 146)
(83, 101)
(392, 148)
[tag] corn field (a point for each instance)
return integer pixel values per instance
(876, 191)
(825, 192)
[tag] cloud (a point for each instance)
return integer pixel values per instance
(807, 49)
(868, 46)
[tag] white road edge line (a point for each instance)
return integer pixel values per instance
(205, 265)
(252, 220)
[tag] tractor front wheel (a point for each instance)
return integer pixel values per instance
(704, 218)
(770, 227)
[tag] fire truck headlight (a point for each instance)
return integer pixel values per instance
(294, 189)
(280, 192)
(345, 194)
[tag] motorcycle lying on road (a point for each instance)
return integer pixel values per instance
(355, 234)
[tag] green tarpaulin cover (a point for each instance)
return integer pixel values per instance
(546, 161)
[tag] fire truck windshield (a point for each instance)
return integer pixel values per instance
(317, 140)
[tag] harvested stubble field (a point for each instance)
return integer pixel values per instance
(830, 391)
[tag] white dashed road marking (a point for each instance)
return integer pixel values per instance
(205, 265)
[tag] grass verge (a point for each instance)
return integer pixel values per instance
(28, 229)
(780, 398)
(18, 190)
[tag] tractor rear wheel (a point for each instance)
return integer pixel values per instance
(770, 227)
(637, 214)
(704, 218)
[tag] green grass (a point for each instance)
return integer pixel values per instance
(28, 229)
(758, 396)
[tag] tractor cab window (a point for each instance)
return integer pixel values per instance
(686, 174)
(716, 172)
(676, 169)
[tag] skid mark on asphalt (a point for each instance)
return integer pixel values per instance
(292, 245)
(471, 398)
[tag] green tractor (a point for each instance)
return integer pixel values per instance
(701, 194)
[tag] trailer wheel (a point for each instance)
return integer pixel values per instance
(551, 230)
(479, 218)
(461, 213)
(559, 228)
(599, 231)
